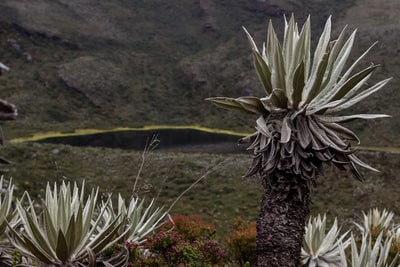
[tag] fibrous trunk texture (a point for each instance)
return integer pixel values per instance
(280, 227)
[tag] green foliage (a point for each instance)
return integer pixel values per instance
(189, 243)
(192, 227)
(242, 242)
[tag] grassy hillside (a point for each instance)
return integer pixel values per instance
(223, 195)
(91, 64)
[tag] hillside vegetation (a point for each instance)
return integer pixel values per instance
(87, 64)
(116, 63)
(219, 198)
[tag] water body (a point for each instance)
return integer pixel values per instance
(182, 140)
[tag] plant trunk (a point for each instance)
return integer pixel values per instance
(281, 223)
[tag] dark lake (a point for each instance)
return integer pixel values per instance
(181, 140)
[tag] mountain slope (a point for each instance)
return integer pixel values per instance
(85, 64)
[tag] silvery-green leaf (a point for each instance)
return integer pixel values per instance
(263, 72)
(341, 131)
(37, 236)
(347, 89)
(306, 48)
(278, 72)
(36, 252)
(362, 164)
(303, 132)
(252, 105)
(320, 135)
(278, 98)
(272, 39)
(262, 69)
(49, 226)
(106, 238)
(321, 248)
(91, 257)
(298, 84)
(267, 104)
(353, 84)
(336, 63)
(72, 236)
(317, 82)
(227, 103)
(62, 250)
(6, 199)
(335, 119)
(318, 58)
(251, 41)
(289, 44)
(346, 103)
(349, 71)
(26, 247)
(336, 60)
(286, 130)
(262, 128)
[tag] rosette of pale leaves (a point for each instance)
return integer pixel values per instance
(140, 218)
(322, 248)
(375, 221)
(370, 253)
(297, 129)
(67, 232)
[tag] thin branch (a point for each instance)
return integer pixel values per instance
(150, 145)
(195, 183)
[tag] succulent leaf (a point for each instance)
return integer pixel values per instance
(319, 54)
(6, 199)
(261, 65)
(347, 101)
(141, 219)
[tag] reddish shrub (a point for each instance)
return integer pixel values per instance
(188, 241)
(242, 242)
(192, 227)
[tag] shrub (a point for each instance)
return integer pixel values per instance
(192, 227)
(185, 241)
(242, 242)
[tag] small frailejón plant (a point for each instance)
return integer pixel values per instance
(69, 231)
(321, 248)
(375, 222)
(371, 253)
(141, 219)
(297, 129)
